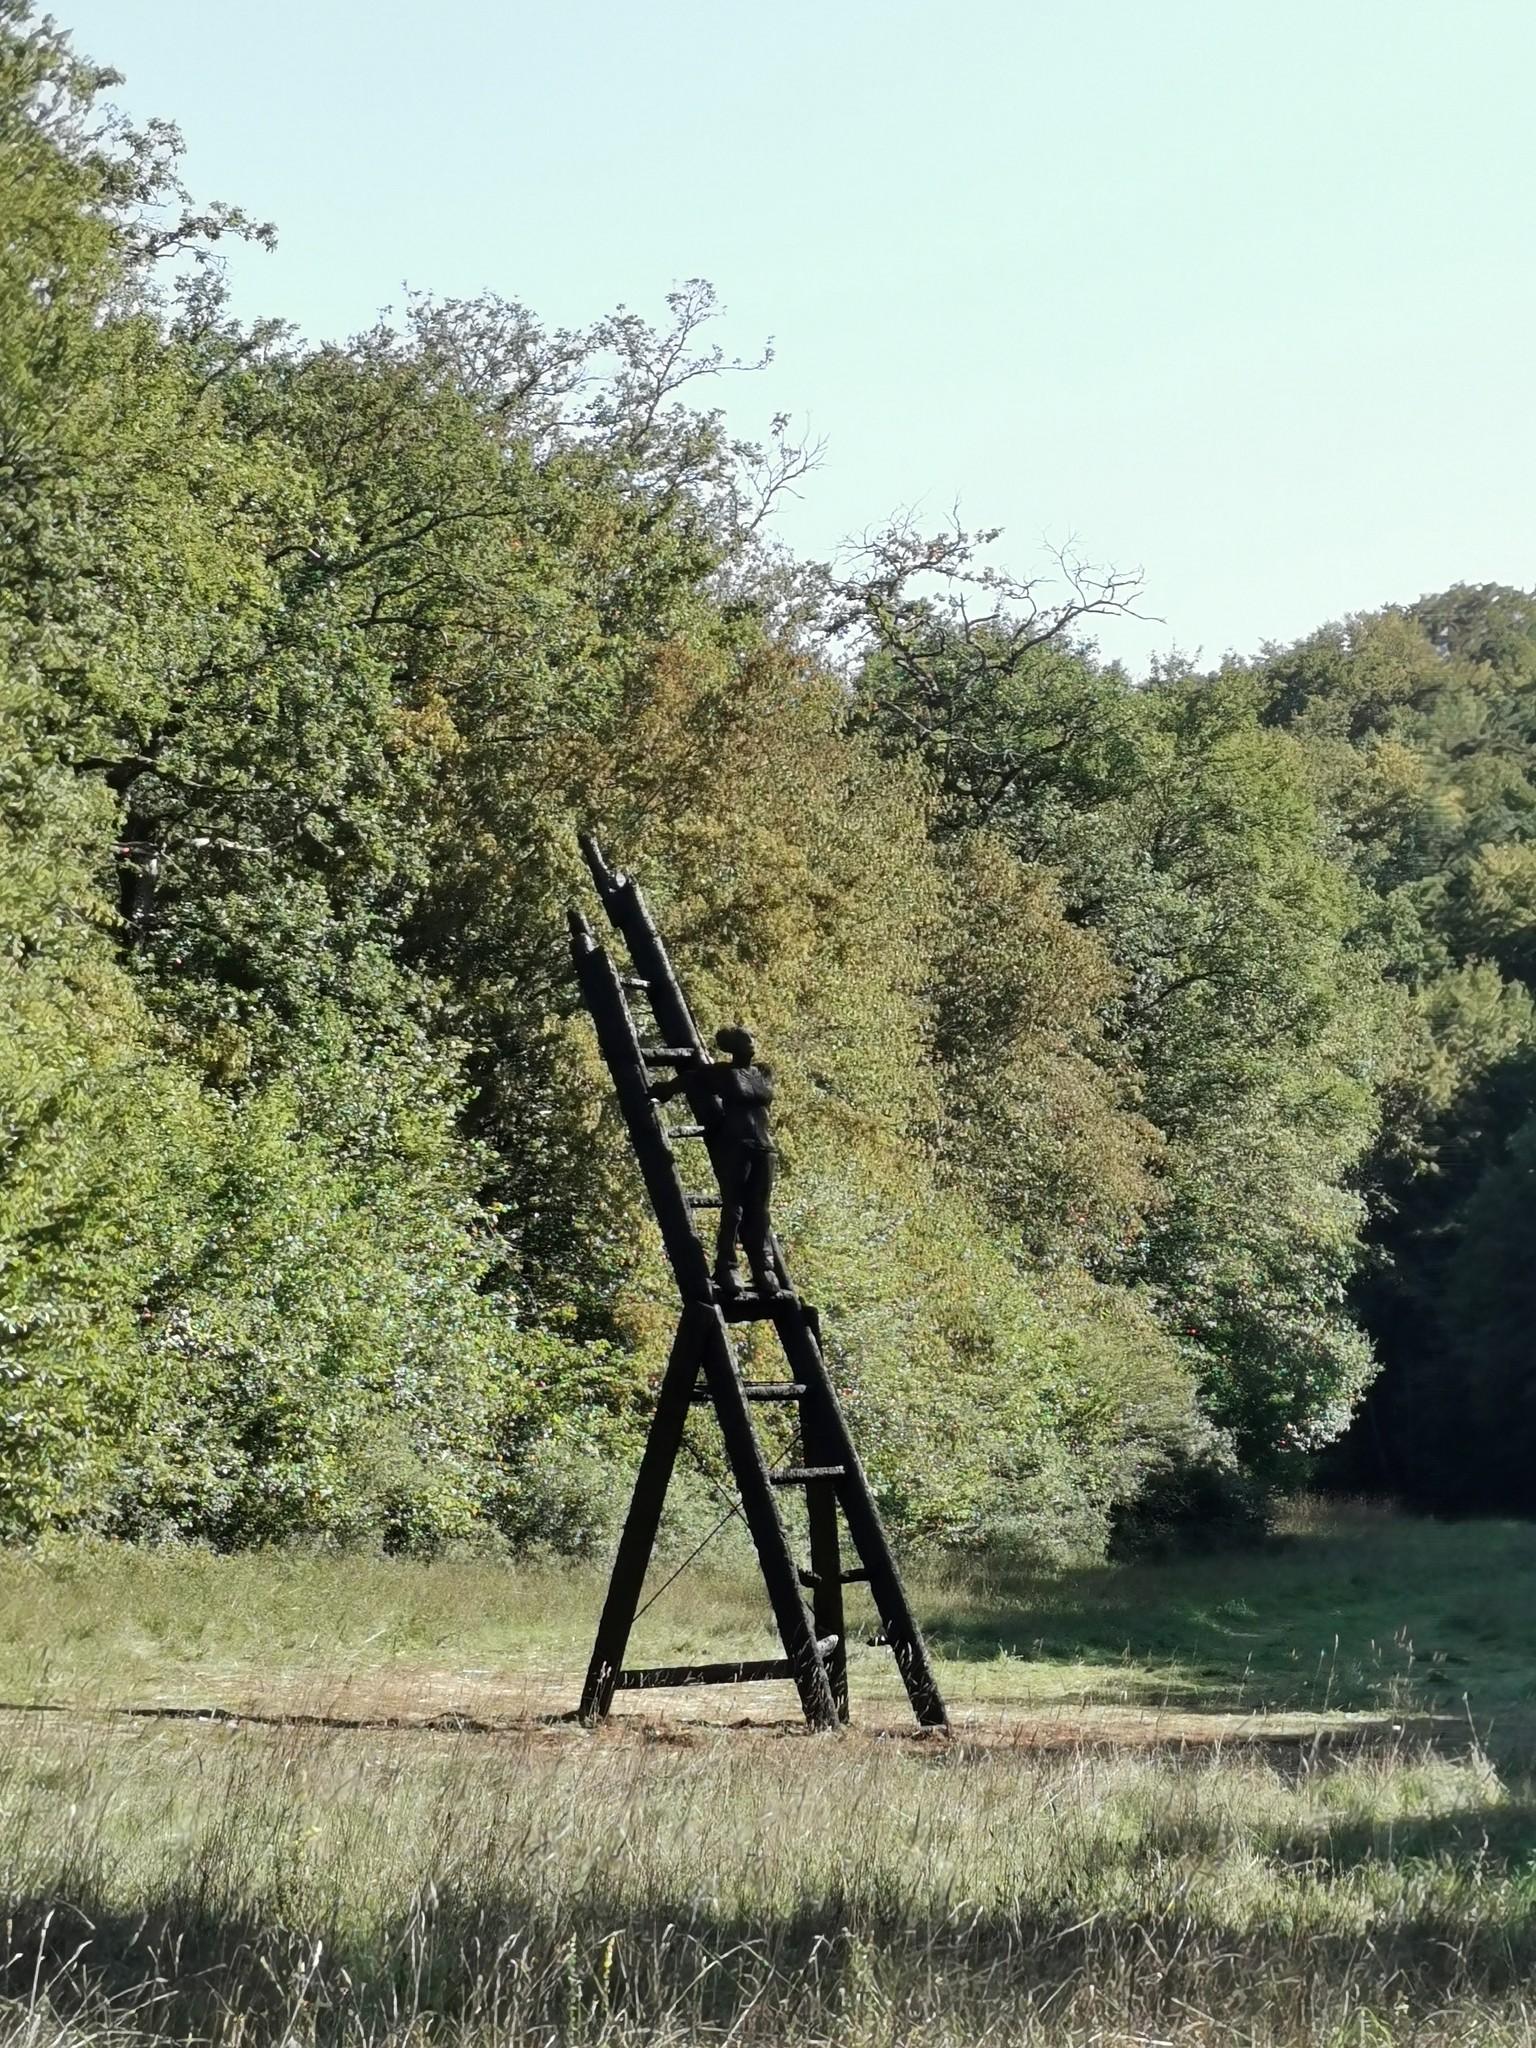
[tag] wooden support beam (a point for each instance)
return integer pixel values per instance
(760, 1390)
(747, 1672)
(604, 997)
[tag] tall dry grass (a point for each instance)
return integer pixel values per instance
(173, 1883)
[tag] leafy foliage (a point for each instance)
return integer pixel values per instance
(1419, 722)
(1110, 1021)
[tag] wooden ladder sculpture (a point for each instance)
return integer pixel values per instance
(815, 1647)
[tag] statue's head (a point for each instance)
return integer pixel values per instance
(736, 1044)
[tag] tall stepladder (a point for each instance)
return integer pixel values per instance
(703, 1369)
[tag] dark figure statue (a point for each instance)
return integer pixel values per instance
(743, 1152)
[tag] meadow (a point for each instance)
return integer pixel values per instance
(1274, 1798)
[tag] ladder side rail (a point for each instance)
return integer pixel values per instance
(627, 912)
(619, 1043)
(647, 949)
(767, 1530)
(630, 914)
(638, 1539)
(802, 1347)
(627, 908)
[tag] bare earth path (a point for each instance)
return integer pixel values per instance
(449, 1702)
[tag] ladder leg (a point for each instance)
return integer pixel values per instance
(803, 1349)
(826, 1554)
(640, 1524)
(761, 1510)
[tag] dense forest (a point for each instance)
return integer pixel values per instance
(1156, 1056)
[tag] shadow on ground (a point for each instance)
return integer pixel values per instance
(1354, 1615)
(196, 1968)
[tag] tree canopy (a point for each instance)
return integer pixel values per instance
(1155, 1056)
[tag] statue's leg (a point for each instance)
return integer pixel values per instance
(732, 1188)
(756, 1224)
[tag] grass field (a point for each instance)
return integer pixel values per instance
(1269, 1799)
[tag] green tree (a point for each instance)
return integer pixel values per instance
(1490, 1304)
(1188, 841)
(1416, 722)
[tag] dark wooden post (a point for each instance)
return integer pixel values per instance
(826, 1561)
(779, 1573)
(644, 1516)
(864, 1525)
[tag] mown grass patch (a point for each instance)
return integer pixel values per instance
(1350, 1610)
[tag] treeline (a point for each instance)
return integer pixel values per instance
(1145, 1050)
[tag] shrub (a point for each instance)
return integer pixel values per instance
(1193, 1500)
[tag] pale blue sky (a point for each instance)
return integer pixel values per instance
(1242, 293)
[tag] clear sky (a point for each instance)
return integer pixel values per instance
(1242, 293)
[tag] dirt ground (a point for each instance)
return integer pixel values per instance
(541, 1706)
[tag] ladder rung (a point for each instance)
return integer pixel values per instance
(854, 1578)
(714, 1674)
(703, 1201)
(667, 1055)
(634, 981)
(687, 1131)
(755, 1308)
(802, 1475)
(760, 1390)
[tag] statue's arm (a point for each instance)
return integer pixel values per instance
(708, 1079)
